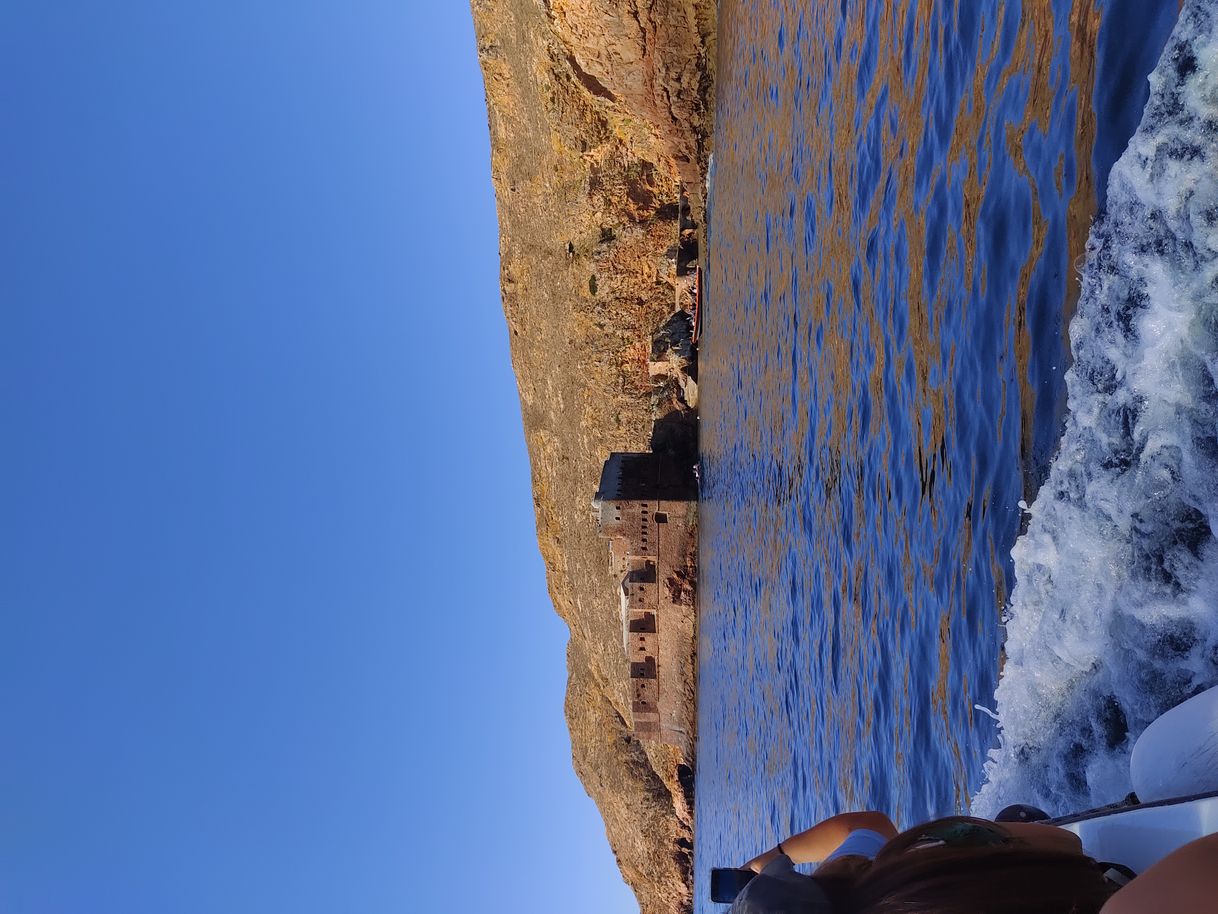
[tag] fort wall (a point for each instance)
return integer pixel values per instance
(645, 508)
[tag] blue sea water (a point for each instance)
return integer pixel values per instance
(900, 200)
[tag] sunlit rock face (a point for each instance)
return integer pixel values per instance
(640, 54)
(598, 113)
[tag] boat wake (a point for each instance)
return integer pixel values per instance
(1114, 617)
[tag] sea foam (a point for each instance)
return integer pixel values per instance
(1114, 616)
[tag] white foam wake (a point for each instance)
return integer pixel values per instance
(1114, 617)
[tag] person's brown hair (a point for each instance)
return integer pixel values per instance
(1010, 878)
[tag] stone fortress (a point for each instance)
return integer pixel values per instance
(646, 507)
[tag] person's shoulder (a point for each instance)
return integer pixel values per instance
(862, 842)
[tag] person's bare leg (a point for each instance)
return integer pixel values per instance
(1183, 882)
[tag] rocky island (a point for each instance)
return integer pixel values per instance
(600, 116)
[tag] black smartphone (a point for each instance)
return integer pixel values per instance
(727, 883)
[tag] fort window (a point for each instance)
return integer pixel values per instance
(646, 624)
(661, 517)
(643, 670)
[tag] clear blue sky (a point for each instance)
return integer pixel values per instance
(274, 634)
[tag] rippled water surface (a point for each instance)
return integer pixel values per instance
(900, 194)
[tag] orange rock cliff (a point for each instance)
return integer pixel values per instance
(599, 113)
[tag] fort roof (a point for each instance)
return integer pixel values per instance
(634, 477)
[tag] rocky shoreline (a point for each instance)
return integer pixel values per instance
(599, 116)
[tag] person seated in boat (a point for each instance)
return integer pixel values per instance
(961, 865)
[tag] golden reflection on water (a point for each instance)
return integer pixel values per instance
(818, 135)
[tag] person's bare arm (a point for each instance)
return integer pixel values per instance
(1183, 882)
(822, 839)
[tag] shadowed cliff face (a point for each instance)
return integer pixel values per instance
(598, 111)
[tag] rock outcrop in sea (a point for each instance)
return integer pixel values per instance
(599, 115)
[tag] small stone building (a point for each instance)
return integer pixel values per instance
(644, 507)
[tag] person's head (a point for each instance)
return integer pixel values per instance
(968, 866)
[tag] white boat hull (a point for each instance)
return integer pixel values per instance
(1139, 836)
(1177, 755)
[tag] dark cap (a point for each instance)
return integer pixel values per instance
(779, 889)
